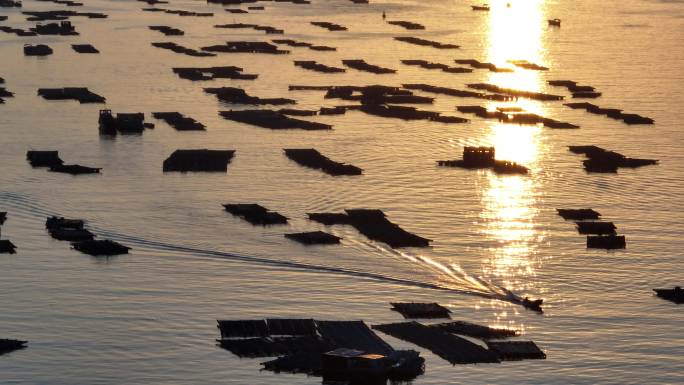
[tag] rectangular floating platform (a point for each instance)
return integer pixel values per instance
(255, 214)
(474, 330)
(101, 247)
(273, 120)
(597, 228)
(84, 48)
(274, 346)
(81, 94)
(179, 121)
(578, 214)
(606, 242)
(198, 161)
(353, 335)
(43, 158)
(314, 238)
(516, 350)
(421, 310)
(234, 95)
(452, 348)
(74, 169)
(3, 217)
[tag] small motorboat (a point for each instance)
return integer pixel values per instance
(555, 22)
(533, 304)
(675, 295)
(483, 7)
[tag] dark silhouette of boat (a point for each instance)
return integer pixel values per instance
(675, 295)
(555, 22)
(483, 7)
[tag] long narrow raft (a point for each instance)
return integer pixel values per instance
(452, 348)
(309, 157)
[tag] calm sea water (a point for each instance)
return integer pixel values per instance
(149, 317)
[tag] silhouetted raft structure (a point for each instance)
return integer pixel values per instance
(179, 12)
(597, 228)
(255, 214)
(516, 350)
(516, 93)
(265, 28)
(527, 65)
(37, 50)
(311, 158)
(43, 158)
(74, 169)
(179, 122)
(443, 67)
(166, 30)
(235, 95)
(578, 214)
(123, 123)
(9, 345)
(314, 66)
(246, 47)
(484, 157)
(475, 330)
(180, 49)
(483, 7)
(374, 225)
(361, 65)
(450, 347)
(606, 242)
(211, 73)
(406, 24)
(483, 65)
(84, 48)
(577, 90)
(63, 28)
(425, 43)
(3, 217)
(314, 238)
(81, 94)
(272, 119)
(60, 15)
(294, 43)
(409, 113)
(17, 31)
(506, 115)
(329, 26)
(71, 230)
(7, 247)
(10, 4)
(421, 310)
(372, 95)
(198, 161)
(605, 161)
(675, 295)
(612, 113)
(457, 93)
(104, 247)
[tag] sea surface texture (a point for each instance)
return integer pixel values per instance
(149, 317)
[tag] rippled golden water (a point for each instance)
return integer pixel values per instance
(149, 317)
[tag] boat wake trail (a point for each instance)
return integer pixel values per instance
(451, 278)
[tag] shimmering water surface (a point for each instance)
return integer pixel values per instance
(149, 317)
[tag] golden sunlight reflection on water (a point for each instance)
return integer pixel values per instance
(509, 201)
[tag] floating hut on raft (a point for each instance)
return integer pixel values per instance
(255, 214)
(374, 225)
(198, 160)
(43, 158)
(340, 350)
(484, 157)
(124, 123)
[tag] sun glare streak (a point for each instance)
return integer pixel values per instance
(514, 33)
